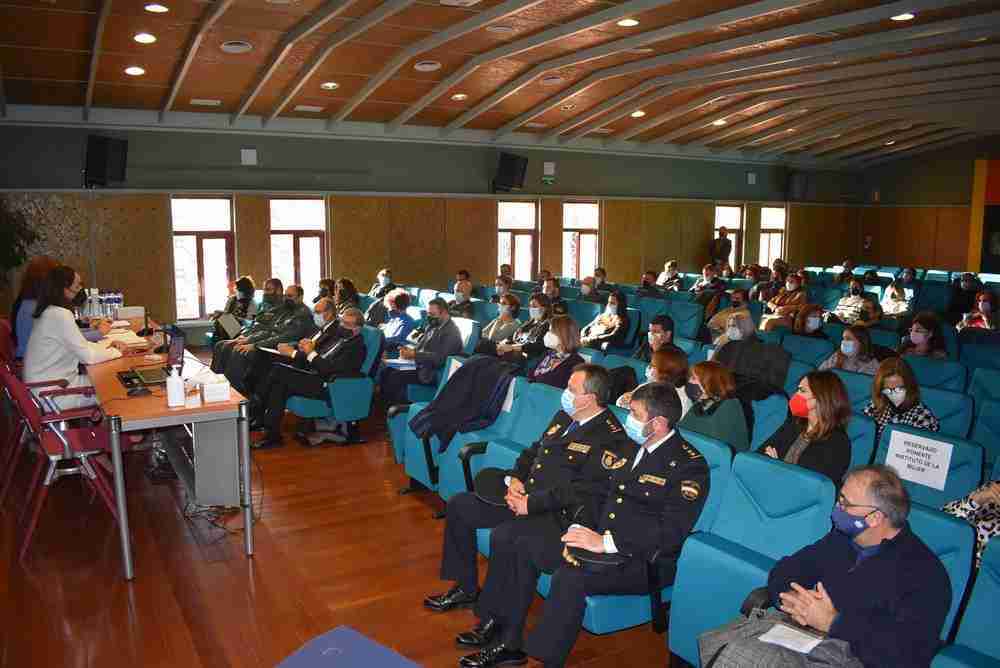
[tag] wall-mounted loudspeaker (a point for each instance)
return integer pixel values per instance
(510, 173)
(105, 162)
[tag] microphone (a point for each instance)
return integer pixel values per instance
(146, 330)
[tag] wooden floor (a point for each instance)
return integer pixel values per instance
(336, 545)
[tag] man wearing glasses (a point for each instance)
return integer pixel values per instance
(874, 593)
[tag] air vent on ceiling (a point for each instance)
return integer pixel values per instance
(205, 102)
(500, 29)
(601, 131)
(236, 46)
(427, 66)
(308, 107)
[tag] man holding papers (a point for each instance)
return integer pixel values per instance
(419, 363)
(870, 590)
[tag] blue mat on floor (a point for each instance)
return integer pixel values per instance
(343, 647)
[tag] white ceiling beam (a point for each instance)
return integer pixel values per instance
(857, 148)
(930, 143)
(470, 24)
(878, 130)
(212, 14)
(847, 19)
(915, 37)
(366, 22)
(303, 29)
(95, 56)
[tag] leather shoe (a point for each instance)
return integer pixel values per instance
(497, 655)
(456, 597)
(479, 636)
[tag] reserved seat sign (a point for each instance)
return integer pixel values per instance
(919, 459)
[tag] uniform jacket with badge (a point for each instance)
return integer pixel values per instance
(651, 509)
(568, 474)
(288, 326)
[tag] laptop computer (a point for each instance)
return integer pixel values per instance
(157, 375)
(229, 324)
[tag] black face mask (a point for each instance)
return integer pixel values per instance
(344, 332)
(856, 292)
(269, 299)
(289, 303)
(693, 391)
(736, 304)
(80, 298)
(645, 283)
(433, 322)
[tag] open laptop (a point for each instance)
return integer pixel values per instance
(229, 324)
(157, 375)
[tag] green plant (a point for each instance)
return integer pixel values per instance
(16, 236)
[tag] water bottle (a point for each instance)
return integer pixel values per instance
(175, 388)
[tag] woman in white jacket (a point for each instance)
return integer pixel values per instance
(56, 347)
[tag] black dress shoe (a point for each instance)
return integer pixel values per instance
(456, 597)
(480, 636)
(497, 655)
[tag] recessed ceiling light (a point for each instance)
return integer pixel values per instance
(308, 107)
(554, 80)
(144, 38)
(719, 122)
(236, 46)
(427, 66)
(638, 113)
(803, 111)
(458, 97)
(205, 102)
(890, 142)
(500, 29)
(154, 8)
(568, 107)
(642, 50)
(905, 16)
(535, 125)
(134, 71)
(628, 23)
(329, 85)
(790, 130)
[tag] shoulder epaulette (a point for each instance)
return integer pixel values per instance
(690, 452)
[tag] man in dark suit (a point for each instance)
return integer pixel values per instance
(551, 290)
(461, 306)
(337, 349)
(262, 322)
(720, 248)
(561, 476)
(659, 337)
(383, 285)
(432, 344)
(648, 287)
(653, 502)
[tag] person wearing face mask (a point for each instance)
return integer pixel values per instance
(557, 303)
(562, 342)
(588, 293)
(326, 288)
(651, 503)
(659, 337)
(983, 314)
(503, 285)
(784, 306)
(855, 307)
(561, 475)
(846, 273)
(609, 328)
(240, 305)
(337, 349)
(345, 295)
(708, 287)
(769, 285)
(383, 284)
(543, 276)
(32, 282)
(377, 312)
(601, 280)
(56, 348)
(461, 305)
(896, 399)
(809, 322)
(814, 435)
(715, 411)
(527, 340)
(842, 586)
(670, 278)
(897, 301)
(854, 354)
(963, 297)
(666, 366)
(429, 347)
(738, 300)
(924, 338)
(398, 324)
(503, 326)
(738, 327)
(262, 322)
(647, 286)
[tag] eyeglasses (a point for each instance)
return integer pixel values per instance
(844, 505)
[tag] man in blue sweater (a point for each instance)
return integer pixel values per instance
(877, 593)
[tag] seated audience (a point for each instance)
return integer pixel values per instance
(562, 342)
(708, 287)
(814, 434)
(659, 337)
(856, 307)
(963, 297)
(669, 367)
(503, 285)
(717, 324)
(896, 399)
(846, 273)
(345, 295)
(56, 348)
(981, 509)
(670, 279)
(23, 309)
(895, 302)
(543, 276)
(505, 324)
(647, 286)
(809, 322)
(589, 293)
(262, 323)
(854, 354)
(240, 305)
(383, 284)
(609, 328)
(557, 303)
(398, 324)
(326, 288)
(781, 310)
(432, 344)
(461, 305)
(876, 594)
(908, 277)
(601, 279)
(639, 518)
(337, 349)
(462, 275)
(715, 411)
(739, 327)
(769, 288)
(752, 274)
(527, 341)
(925, 338)
(724, 269)
(505, 270)
(981, 315)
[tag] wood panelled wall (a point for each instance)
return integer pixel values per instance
(928, 236)
(821, 235)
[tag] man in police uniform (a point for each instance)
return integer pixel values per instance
(653, 503)
(562, 474)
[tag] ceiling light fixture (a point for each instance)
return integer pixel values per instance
(144, 38)
(458, 97)
(834, 137)
(308, 107)
(236, 46)
(890, 142)
(641, 51)
(205, 102)
(638, 113)
(427, 66)
(155, 8)
(719, 123)
(134, 71)
(329, 85)
(500, 29)
(554, 80)
(905, 16)
(628, 23)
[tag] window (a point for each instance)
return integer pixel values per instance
(730, 216)
(298, 243)
(772, 234)
(580, 238)
(517, 231)
(203, 255)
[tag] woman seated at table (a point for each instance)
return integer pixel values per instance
(855, 353)
(665, 366)
(609, 328)
(56, 348)
(814, 434)
(925, 338)
(503, 326)
(27, 298)
(562, 342)
(896, 399)
(981, 509)
(715, 412)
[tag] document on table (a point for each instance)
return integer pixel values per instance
(126, 336)
(401, 364)
(791, 638)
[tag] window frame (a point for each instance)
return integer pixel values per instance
(532, 233)
(735, 235)
(783, 231)
(297, 236)
(230, 239)
(582, 231)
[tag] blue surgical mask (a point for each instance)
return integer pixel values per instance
(383, 280)
(846, 523)
(650, 374)
(634, 429)
(536, 313)
(319, 320)
(567, 400)
(849, 348)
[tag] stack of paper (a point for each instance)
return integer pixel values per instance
(126, 336)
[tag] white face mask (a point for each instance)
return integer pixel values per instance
(383, 281)
(791, 287)
(896, 395)
(812, 324)
(536, 313)
(551, 341)
(598, 280)
(501, 289)
(611, 309)
(585, 289)
(319, 320)
(650, 374)
(918, 338)
(460, 297)
(734, 333)
(653, 338)
(671, 273)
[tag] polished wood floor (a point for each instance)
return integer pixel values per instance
(336, 545)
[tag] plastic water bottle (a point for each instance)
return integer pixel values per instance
(175, 388)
